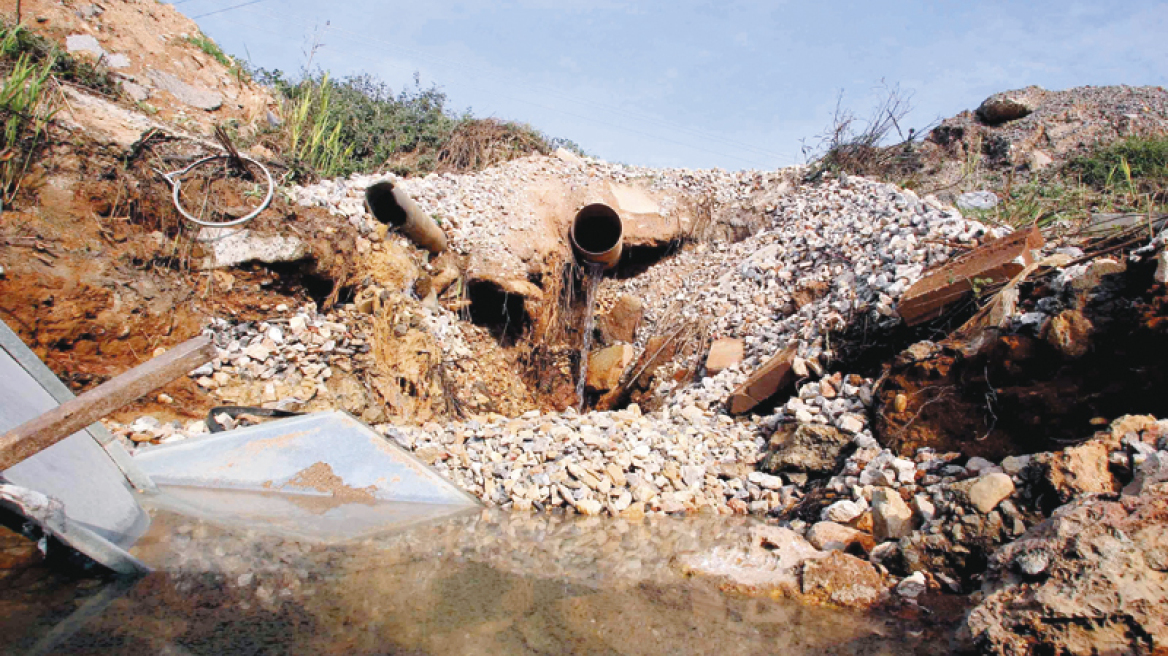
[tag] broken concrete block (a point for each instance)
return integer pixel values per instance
(829, 536)
(810, 448)
(197, 97)
(236, 247)
(607, 365)
(891, 516)
(764, 383)
(724, 353)
(86, 43)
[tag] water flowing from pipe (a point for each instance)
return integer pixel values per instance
(592, 277)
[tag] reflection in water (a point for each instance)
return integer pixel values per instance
(488, 583)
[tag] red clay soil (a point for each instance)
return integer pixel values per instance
(98, 273)
(1018, 394)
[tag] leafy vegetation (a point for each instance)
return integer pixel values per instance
(338, 127)
(91, 75)
(26, 106)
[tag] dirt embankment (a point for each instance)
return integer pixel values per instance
(1018, 136)
(895, 477)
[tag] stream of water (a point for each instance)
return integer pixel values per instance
(593, 274)
(488, 582)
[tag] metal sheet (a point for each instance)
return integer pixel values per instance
(299, 516)
(324, 454)
(77, 470)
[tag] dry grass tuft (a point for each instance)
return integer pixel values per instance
(478, 143)
(858, 147)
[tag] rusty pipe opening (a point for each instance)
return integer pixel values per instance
(597, 233)
(395, 208)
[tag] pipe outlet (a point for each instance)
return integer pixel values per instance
(393, 207)
(597, 234)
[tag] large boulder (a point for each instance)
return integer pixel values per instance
(1093, 579)
(1010, 105)
(808, 448)
(769, 565)
(777, 562)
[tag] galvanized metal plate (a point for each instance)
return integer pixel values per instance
(324, 454)
(77, 470)
(298, 516)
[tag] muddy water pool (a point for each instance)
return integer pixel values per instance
(484, 582)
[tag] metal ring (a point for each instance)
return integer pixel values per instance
(176, 183)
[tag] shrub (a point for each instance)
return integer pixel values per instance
(412, 132)
(478, 143)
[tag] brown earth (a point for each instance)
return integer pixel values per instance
(1017, 394)
(154, 36)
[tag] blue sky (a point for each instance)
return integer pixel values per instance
(693, 83)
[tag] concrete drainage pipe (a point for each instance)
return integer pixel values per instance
(597, 234)
(395, 208)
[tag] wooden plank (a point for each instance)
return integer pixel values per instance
(39, 433)
(953, 282)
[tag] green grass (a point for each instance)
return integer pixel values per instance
(1130, 176)
(27, 104)
(212, 49)
(1132, 165)
(314, 131)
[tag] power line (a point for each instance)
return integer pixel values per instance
(220, 11)
(580, 101)
(553, 92)
(493, 90)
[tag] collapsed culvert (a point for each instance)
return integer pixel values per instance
(639, 258)
(999, 393)
(501, 312)
(393, 207)
(306, 277)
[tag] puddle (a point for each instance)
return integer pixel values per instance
(484, 583)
